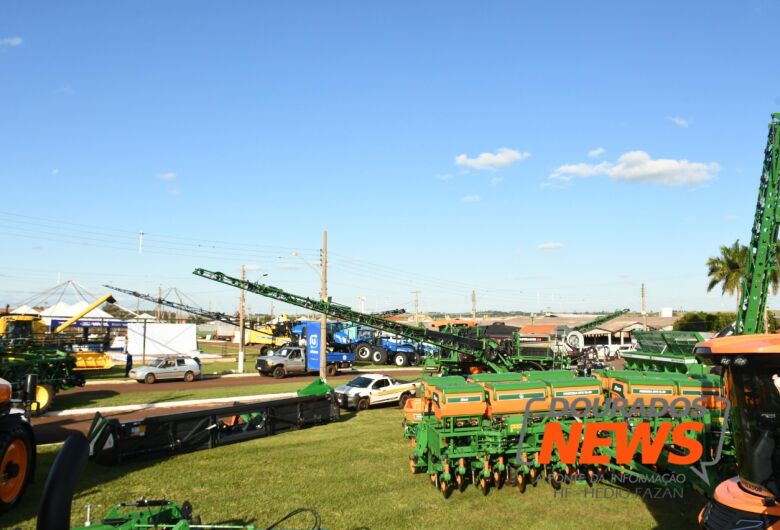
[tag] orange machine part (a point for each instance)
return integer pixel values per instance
(730, 494)
(413, 410)
(767, 344)
(5, 391)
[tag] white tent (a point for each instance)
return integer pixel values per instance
(58, 310)
(95, 313)
(24, 310)
(62, 311)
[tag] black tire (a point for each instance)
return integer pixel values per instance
(57, 497)
(362, 404)
(403, 399)
(44, 397)
(279, 372)
(189, 377)
(400, 359)
(150, 379)
(20, 468)
(414, 359)
(362, 351)
(332, 370)
(378, 355)
(265, 349)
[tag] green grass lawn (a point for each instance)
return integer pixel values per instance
(354, 473)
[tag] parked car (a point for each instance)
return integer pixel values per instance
(164, 368)
(370, 389)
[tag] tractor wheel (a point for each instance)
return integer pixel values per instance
(150, 379)
(379, 355)
(414, 359)
(403, 399)
(399, 359)
(278, 372)
(362, 351)
(332, 370)
(265, 350)
(44, 395)
(362, 404)
(17, 462)
(189, 377)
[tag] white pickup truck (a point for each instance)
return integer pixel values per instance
(370, 389)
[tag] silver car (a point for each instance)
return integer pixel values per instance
(179, 367)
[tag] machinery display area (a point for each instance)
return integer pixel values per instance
(531, 313)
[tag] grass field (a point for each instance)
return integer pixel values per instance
(354, 473)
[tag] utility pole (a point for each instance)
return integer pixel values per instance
(416, 307)
(158, 313)
(474, 304)
(141, 242)
(241, 338)
(644, 307)
(324, 317)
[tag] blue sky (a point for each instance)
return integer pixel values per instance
(443, 145)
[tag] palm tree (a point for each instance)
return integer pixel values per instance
(728, 269)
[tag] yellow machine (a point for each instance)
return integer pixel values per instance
(271, 335)
(21, 326)
(33, 327)
(751, 371)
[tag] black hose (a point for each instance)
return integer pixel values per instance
(54, 510)
(296, 512)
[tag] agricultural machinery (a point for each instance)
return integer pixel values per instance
(17, 442)
(54, 512)
(268, 336)
(114, 442)
(26, 348)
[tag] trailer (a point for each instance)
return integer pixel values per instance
(112, 441)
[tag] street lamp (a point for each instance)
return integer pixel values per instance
(241, 316)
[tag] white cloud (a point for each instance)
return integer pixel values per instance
(503, 157)
(595, 153)
(553, 245)
(167, 176)
(567, 171)
(444, 178)
(55, 172)
(498, 179)
(680, 122)
(11, 42)
(471, 198)
(638, 166)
